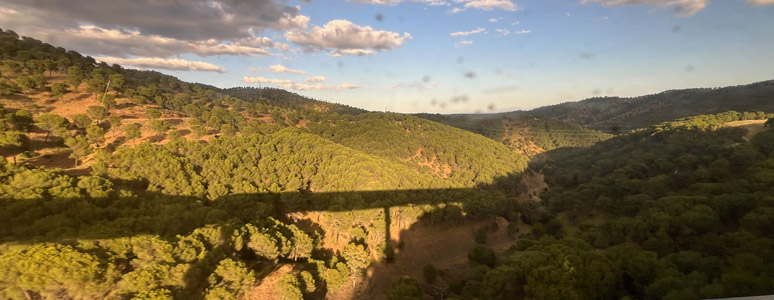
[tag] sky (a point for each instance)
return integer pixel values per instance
(437, 56)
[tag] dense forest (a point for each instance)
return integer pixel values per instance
(676, 213)
(128, 184)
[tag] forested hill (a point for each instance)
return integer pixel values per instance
(288, 100)
(523, 133)
(682, 211)
(429, 147)
(45, 89)
(615, 114)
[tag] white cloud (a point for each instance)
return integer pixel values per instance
(254, 69)
(316, 79)
(163, 63)
(319, 86)
(355, 52)
(283, 69)
(265, 80)
(416, 84)
(125, 43)
(760, 2)
(190, 20)
(155, 28)
(467, 33)
(492, 20)
(349, 85)
(461, 44)
(8, 11)
(503, 31)
(683, 8)
(290, 85)
(515, 23)
(342, 37)
(523, 31)
(297, 22)
(281, 46)
(487, 5)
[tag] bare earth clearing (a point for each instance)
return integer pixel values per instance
(753, 127)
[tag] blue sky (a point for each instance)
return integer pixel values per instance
(518, 55)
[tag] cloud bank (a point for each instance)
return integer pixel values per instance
(163, 63)
(342, 37)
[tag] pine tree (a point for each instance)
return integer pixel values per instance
(58, 90)
(95, 135)
(50, 123)
(97, 113)
(133, 131)
(82, 121)
(79, 146)
(75, 76)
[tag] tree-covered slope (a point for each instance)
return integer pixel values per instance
(286, 160)
(667, 213)
(615, 114)
(523, 133)
(460, 157)
(288, 100)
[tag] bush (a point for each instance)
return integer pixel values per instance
(430, 273)
(481, 236)
(483, 255)
(405, 288)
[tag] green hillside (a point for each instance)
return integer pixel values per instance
(430, 147)
(523, 133)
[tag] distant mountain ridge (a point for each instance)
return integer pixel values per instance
(619, 113)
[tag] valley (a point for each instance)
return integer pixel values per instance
(127, 184)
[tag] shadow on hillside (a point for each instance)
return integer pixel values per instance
(113, 145)
(81, 97)
(67, 220)
(59, 160)
(157, 138)
(174, 122)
